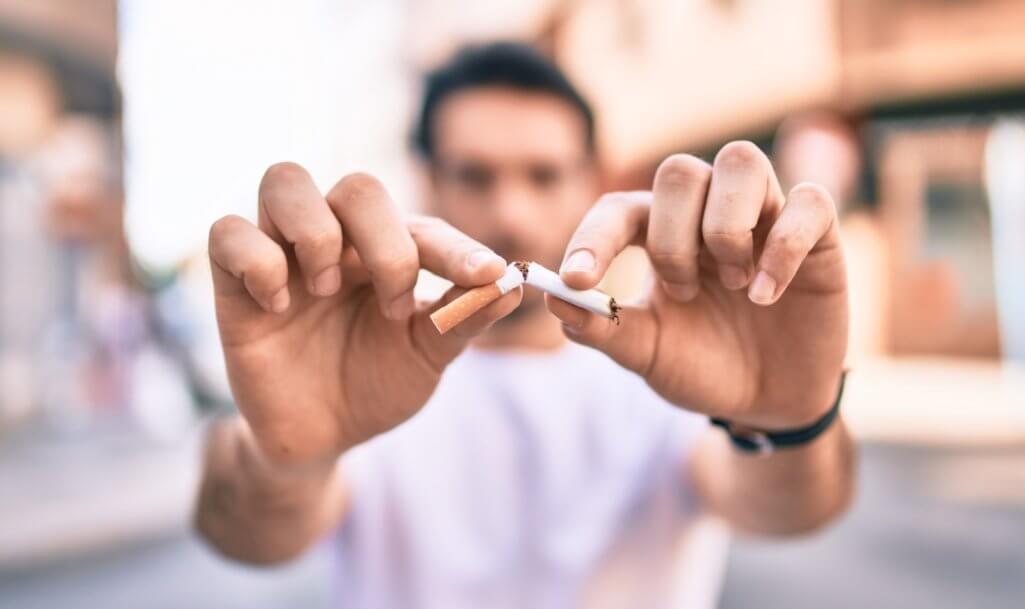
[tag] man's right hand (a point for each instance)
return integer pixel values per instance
(324, 344)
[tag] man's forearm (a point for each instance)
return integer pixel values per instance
(792, 491)
(256, 512)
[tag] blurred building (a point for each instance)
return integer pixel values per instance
(926, 80)
(58, 106)
(74, 38)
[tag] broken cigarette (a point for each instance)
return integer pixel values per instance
(518, 273)
(455, 312)
(549, 282)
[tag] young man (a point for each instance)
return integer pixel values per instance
(537, 472)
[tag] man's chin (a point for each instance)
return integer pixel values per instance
(529, 308)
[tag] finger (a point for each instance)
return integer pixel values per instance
(291, 205)
(614, 222)
(630, 341)
(743, 187)
(372, 222)
(807, 222)
(440, 349)
(248, 263)
(447, 252)
(674, 227)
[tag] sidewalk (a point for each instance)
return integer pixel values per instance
(65, 497)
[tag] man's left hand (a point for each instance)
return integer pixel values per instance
(747, 316)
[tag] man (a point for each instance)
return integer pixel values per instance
(535, 473)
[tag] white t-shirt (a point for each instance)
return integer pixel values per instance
(528, 480)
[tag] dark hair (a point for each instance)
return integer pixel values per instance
(509, 64)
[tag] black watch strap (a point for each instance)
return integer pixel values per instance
(765, 442)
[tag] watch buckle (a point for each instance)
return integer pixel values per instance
(758, 439)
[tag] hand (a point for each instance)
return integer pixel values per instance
(324, 344)
(747, 317)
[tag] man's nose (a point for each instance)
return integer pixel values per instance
(512, 204)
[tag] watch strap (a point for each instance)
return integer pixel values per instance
(765, 442)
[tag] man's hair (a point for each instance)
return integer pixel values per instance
(500, 64)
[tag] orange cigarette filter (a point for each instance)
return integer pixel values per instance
(457, 311)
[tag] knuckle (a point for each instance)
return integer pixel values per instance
(813, 194)
(285, 172)
(589, 234)
(224, 227)
(717, 233)
(263, 268)
(401, 265)
(427, 224)
(608, 202)
(729, 244)
(739, 154)
(319, 239)
(727, 219)
(612, 211)
(683, 170)
(790, 242)
(357, 185)
(673, 259)
(630, 199)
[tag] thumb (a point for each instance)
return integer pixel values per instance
(630, 341)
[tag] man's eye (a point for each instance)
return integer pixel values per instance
(544, 177)
(475, 178)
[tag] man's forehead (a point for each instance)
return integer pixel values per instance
(504, 123)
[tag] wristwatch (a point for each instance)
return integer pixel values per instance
(765, 442)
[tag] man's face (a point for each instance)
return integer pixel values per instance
(512, 170)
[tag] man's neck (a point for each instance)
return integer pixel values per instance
(537, 330)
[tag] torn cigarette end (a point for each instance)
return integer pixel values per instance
(549, 282)
(457, 311)
(516, 274)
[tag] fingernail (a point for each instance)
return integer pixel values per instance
(763, 289)
(401, 307)
(732, 277)
(681, 291)
(580, 261)
(328, 281)
(279, 301)
(481, 257)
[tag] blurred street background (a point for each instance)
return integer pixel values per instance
(127, 127)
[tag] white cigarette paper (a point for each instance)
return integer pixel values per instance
(457, 311)
(549, 282)
(518, 273)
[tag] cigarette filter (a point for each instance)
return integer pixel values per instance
(455, 312)
(549, 282)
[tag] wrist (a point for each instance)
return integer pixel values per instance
(810, 407)
(764, 440)
(253, 509)
(253, 458)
